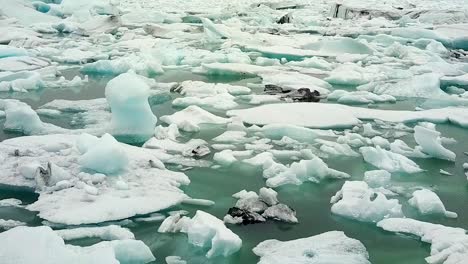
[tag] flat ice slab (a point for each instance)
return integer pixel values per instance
(321, 115)
(330, 247)
(140, 189)
(26, 245)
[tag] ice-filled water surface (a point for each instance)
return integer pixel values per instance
(246, 131)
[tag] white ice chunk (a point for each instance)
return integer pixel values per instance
(9, 224)
(175, 260)
(111, 232)
(449, 245)
(45, 246)
(431, 143)
(20, 117)
(357, 201)
(219, 102)
(359, 97)
(104, 155)
(191, 117)
(142, 64)
(377, 178)
(340, 116)
(313, 170)
(428, 202)
(330, 247)
(389, 161)
(206, 230)
(231, 137)
(269, 196)
(10, 202)
(149, 189)
(127, 95)
(336, 149)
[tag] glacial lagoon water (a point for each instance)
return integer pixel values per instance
(310, 200)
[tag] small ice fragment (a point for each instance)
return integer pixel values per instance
(201, 202)
(443, 172)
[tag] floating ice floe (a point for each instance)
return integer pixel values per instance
(193, 147)
(330, 247)
(9, 224)
(111, 232)
(202, 89)
(141, 64)
(313, 170)
(85, 197)
(46, 246)
(227, 157)
(430, 143)
(389, 161)
(336, 149)
(127, 96)
(400, 147)
(21, 118)
(377, 178)
(299, 133)
(321, 115)
(448, 244)
(24, 12)
(104, 155)
(219, 102)
(192, 117)
(175, 260)
(359, 97)
(10, 202)
(425, 86)
(206, 231)
(22, 63)
(427, 202)
(357, 201)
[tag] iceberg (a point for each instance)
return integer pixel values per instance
(427, 202)
(141, 64)
(359, 97)
(430, 143)
(449, 245)
(207, 230)
(330, 247)
(377, 178)
(424, 86)
(46, 246)
(341, 116)
(21, 118)
(192, 117)
(127, 95)
(357, 201)
(389, 161)
(104, 155)
(80, 201)
(9, 224)
(312, 170)
(111, 232)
